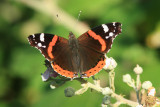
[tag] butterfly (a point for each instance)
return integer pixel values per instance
(84, 56)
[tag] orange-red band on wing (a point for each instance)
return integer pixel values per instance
(62, 72)
(51, 44)
(96, 69)
(99, 38)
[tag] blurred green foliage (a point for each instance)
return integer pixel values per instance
(21, 65)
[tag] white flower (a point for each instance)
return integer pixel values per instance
(110, 64)
(146, 85)
(103, 105)
(106, 91)
(138, 70)
(127, 79)
(52, 86)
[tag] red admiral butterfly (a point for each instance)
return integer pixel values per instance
(84, 55)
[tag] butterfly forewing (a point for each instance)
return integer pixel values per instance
(91, 61)
(100, 38)
(42, 41)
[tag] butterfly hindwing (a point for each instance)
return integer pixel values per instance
(91, 61)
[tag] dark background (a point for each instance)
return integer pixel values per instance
(21, 65)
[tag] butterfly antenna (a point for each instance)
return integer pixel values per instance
(78, 17)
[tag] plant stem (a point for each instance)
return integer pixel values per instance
(123, 100)
(137, 94)
(99, 89)
(51, 8)
(111, 80)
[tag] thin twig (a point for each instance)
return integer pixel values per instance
(99, 89)
(137, 94)
(50, 8)
(118, 103)
(123, 100)
(137, 88)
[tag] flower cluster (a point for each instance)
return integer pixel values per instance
(150, 100)
(141, 89)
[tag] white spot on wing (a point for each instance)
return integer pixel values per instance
(111, 34)
(114, 23)
(42, 37)
(40, 51)
(105, 28)
(43, 46)
(39, 45)
(107, 37)
(33, 36)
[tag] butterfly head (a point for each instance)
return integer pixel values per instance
(73, 41)
(71, 36)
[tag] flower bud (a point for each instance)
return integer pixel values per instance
(106, 100)
(138, 70)
(53, 85)
(146, 85)
(106, 91)
(110, 64)
(127, 78)
(69, 92)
